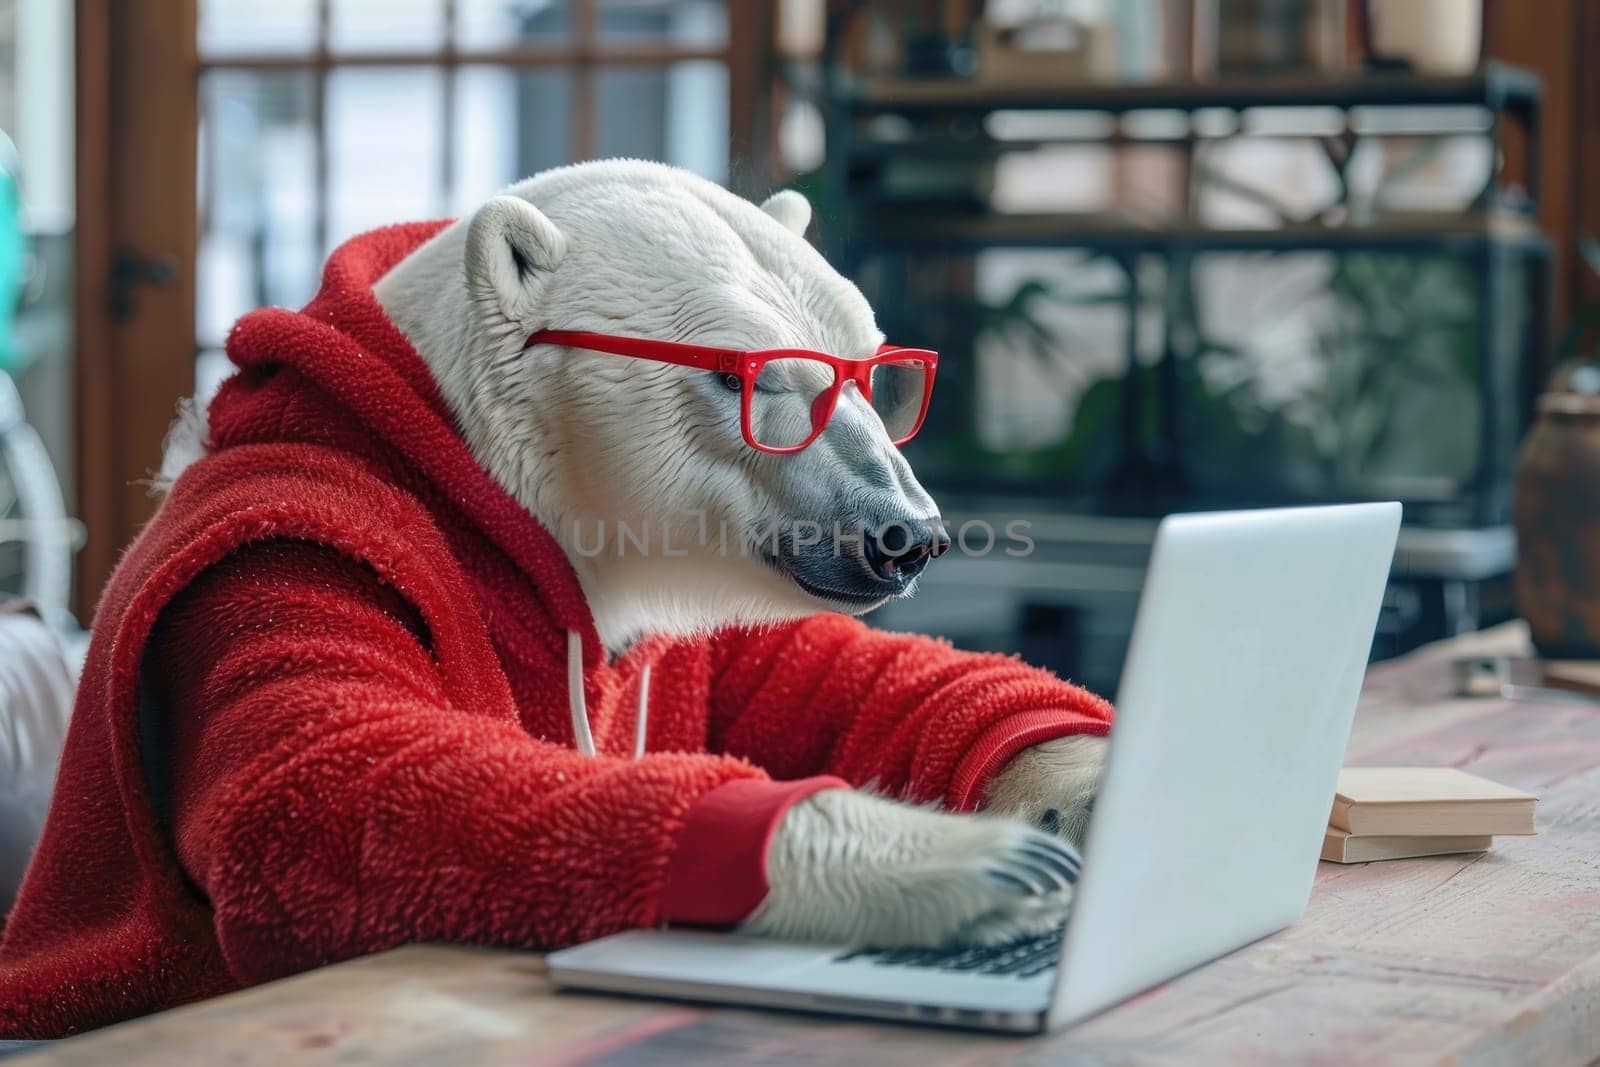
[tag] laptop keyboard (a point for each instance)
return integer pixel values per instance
(1021, 959)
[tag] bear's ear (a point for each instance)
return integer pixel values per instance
(790, 208)
(511, 250)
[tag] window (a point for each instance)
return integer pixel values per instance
(225, 146)
(323, 118)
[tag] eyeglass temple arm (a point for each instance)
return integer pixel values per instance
(702, 357)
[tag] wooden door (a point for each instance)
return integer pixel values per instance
(135, 249)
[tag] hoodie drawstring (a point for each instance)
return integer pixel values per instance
(580, 714)
(644, 712)
(580, 711)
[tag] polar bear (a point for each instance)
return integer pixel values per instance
(368, 677)
(580, 439)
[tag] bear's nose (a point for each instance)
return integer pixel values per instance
(898, 551)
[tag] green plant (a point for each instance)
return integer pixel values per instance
(1382, 337)
(1022, 324)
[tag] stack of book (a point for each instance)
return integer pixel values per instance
(1385, 813)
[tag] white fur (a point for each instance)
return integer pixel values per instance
(789, 208)
(184, 444)
(1056, 779)
(640, 249)
(578, 437)
(854, 868)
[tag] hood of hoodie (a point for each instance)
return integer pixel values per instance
(339, 374)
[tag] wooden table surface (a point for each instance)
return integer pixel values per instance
(1492, 958)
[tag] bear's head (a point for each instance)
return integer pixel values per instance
(639, 468)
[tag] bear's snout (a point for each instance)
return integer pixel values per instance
(901, 550)
(863, 564)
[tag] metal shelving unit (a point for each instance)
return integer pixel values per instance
(1496, 239)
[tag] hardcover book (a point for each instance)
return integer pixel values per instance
(1427, 801)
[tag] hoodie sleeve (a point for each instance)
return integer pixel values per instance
(328, 801)
(909, 715)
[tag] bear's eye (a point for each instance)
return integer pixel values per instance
(732, 382)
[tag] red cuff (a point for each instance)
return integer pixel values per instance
(1001, 741)
(718, 873)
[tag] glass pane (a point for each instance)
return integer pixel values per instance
(783, 402)
(257, 196)
(231, 27)
(1051, 343)
(1263, 183)
(1036, 343)
(1055, 178)
(678, 114)
(385, 132)
(1328, 376)
(375, 25)
(1420, 175)
(684, 23)
(36, 302)
(508, 23)
(508, 124)
(897, 392)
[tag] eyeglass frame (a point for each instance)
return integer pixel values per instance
(747, 366)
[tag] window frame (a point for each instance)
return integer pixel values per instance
(137, 85)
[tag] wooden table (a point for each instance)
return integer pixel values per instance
(1492, 958)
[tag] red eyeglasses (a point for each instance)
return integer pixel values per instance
(787, 395)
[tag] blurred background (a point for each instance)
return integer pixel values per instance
(1176, 254)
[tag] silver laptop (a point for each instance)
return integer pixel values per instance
(1252, 636)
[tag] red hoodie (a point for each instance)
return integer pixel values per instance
(325, 709)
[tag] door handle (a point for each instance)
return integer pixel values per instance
(129, 270)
